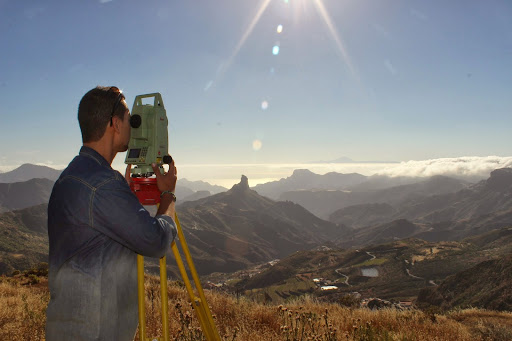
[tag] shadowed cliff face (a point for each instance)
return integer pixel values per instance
(500, 180)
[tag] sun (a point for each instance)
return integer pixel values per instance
(305, 6)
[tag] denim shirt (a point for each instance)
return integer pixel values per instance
(96, 228)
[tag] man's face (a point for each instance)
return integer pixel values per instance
(125, 131)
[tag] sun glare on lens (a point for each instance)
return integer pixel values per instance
(275, 50)
(279, 28)
(264, 105)
(256, 145)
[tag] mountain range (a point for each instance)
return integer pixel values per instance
(225, 232)
(325, 202)
(475, 209)
(13, 192)
(232, 230)
(303, 179)
(405, 231)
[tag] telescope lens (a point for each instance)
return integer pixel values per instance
(135, 121)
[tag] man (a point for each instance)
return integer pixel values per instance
(96, 227)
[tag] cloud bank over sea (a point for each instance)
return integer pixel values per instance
(471, 168)
(468, 166)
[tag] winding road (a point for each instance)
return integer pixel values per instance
(341, 274)
(416, 277)
(372, 257)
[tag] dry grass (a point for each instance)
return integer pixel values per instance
(490, 325)
(22, 317)
(23, 309)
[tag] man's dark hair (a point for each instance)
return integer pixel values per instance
(95, 110)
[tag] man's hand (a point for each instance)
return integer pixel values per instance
(166, 181)
(127, 173)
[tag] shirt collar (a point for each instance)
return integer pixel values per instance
(89, 152)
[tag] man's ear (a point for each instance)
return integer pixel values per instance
(116, 124)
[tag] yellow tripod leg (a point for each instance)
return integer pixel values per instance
(141, 297)
(163, 298)
(199, 303)
(200, 306)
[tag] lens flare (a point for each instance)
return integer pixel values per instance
(225, 66)
(275, 50)
(337, 37)
(264, 105)
(279, 28)
(256, 145)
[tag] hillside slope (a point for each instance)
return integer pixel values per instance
(487, 285)
(23, 238)
(392, 271)
(18, 195)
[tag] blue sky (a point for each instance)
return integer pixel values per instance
(372, 80)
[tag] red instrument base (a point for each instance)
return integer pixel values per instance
(146, 190)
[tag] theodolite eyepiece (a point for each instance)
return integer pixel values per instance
(135, 121)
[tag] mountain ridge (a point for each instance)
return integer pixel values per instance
(29, 171)
(18, 195)
(253, 228)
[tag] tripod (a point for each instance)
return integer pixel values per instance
(199, 303)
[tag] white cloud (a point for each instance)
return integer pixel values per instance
(467, 166)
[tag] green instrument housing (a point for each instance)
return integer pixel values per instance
(148, 140)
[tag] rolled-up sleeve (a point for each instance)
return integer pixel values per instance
(117, 213)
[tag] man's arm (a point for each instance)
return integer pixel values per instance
(119, 215)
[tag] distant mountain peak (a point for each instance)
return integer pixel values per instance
(343, 159)
(302, 172)
(29, 171)
(242, 186)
